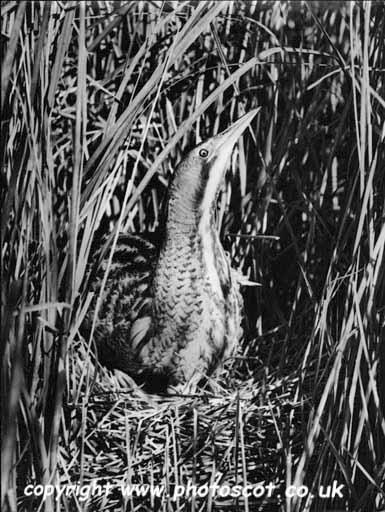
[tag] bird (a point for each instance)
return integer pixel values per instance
(172, 315)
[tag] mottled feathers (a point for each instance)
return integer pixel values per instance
(161, 319)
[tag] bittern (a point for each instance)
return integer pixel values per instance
(173, 316)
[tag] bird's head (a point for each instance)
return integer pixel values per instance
(199, 176)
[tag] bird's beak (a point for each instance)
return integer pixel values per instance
(226, 139)
(221, 147)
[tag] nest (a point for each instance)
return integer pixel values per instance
(197, 451)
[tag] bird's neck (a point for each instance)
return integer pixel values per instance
(188, 255)
(185, 213)
(191, 242)
(188, 229)
(190, 247)
(185, 223)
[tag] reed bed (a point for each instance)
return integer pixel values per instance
(99, 102)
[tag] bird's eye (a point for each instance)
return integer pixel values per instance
(203, 153)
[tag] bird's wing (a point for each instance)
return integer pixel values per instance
(124, 315)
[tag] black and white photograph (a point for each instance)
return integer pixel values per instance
(192, 256)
